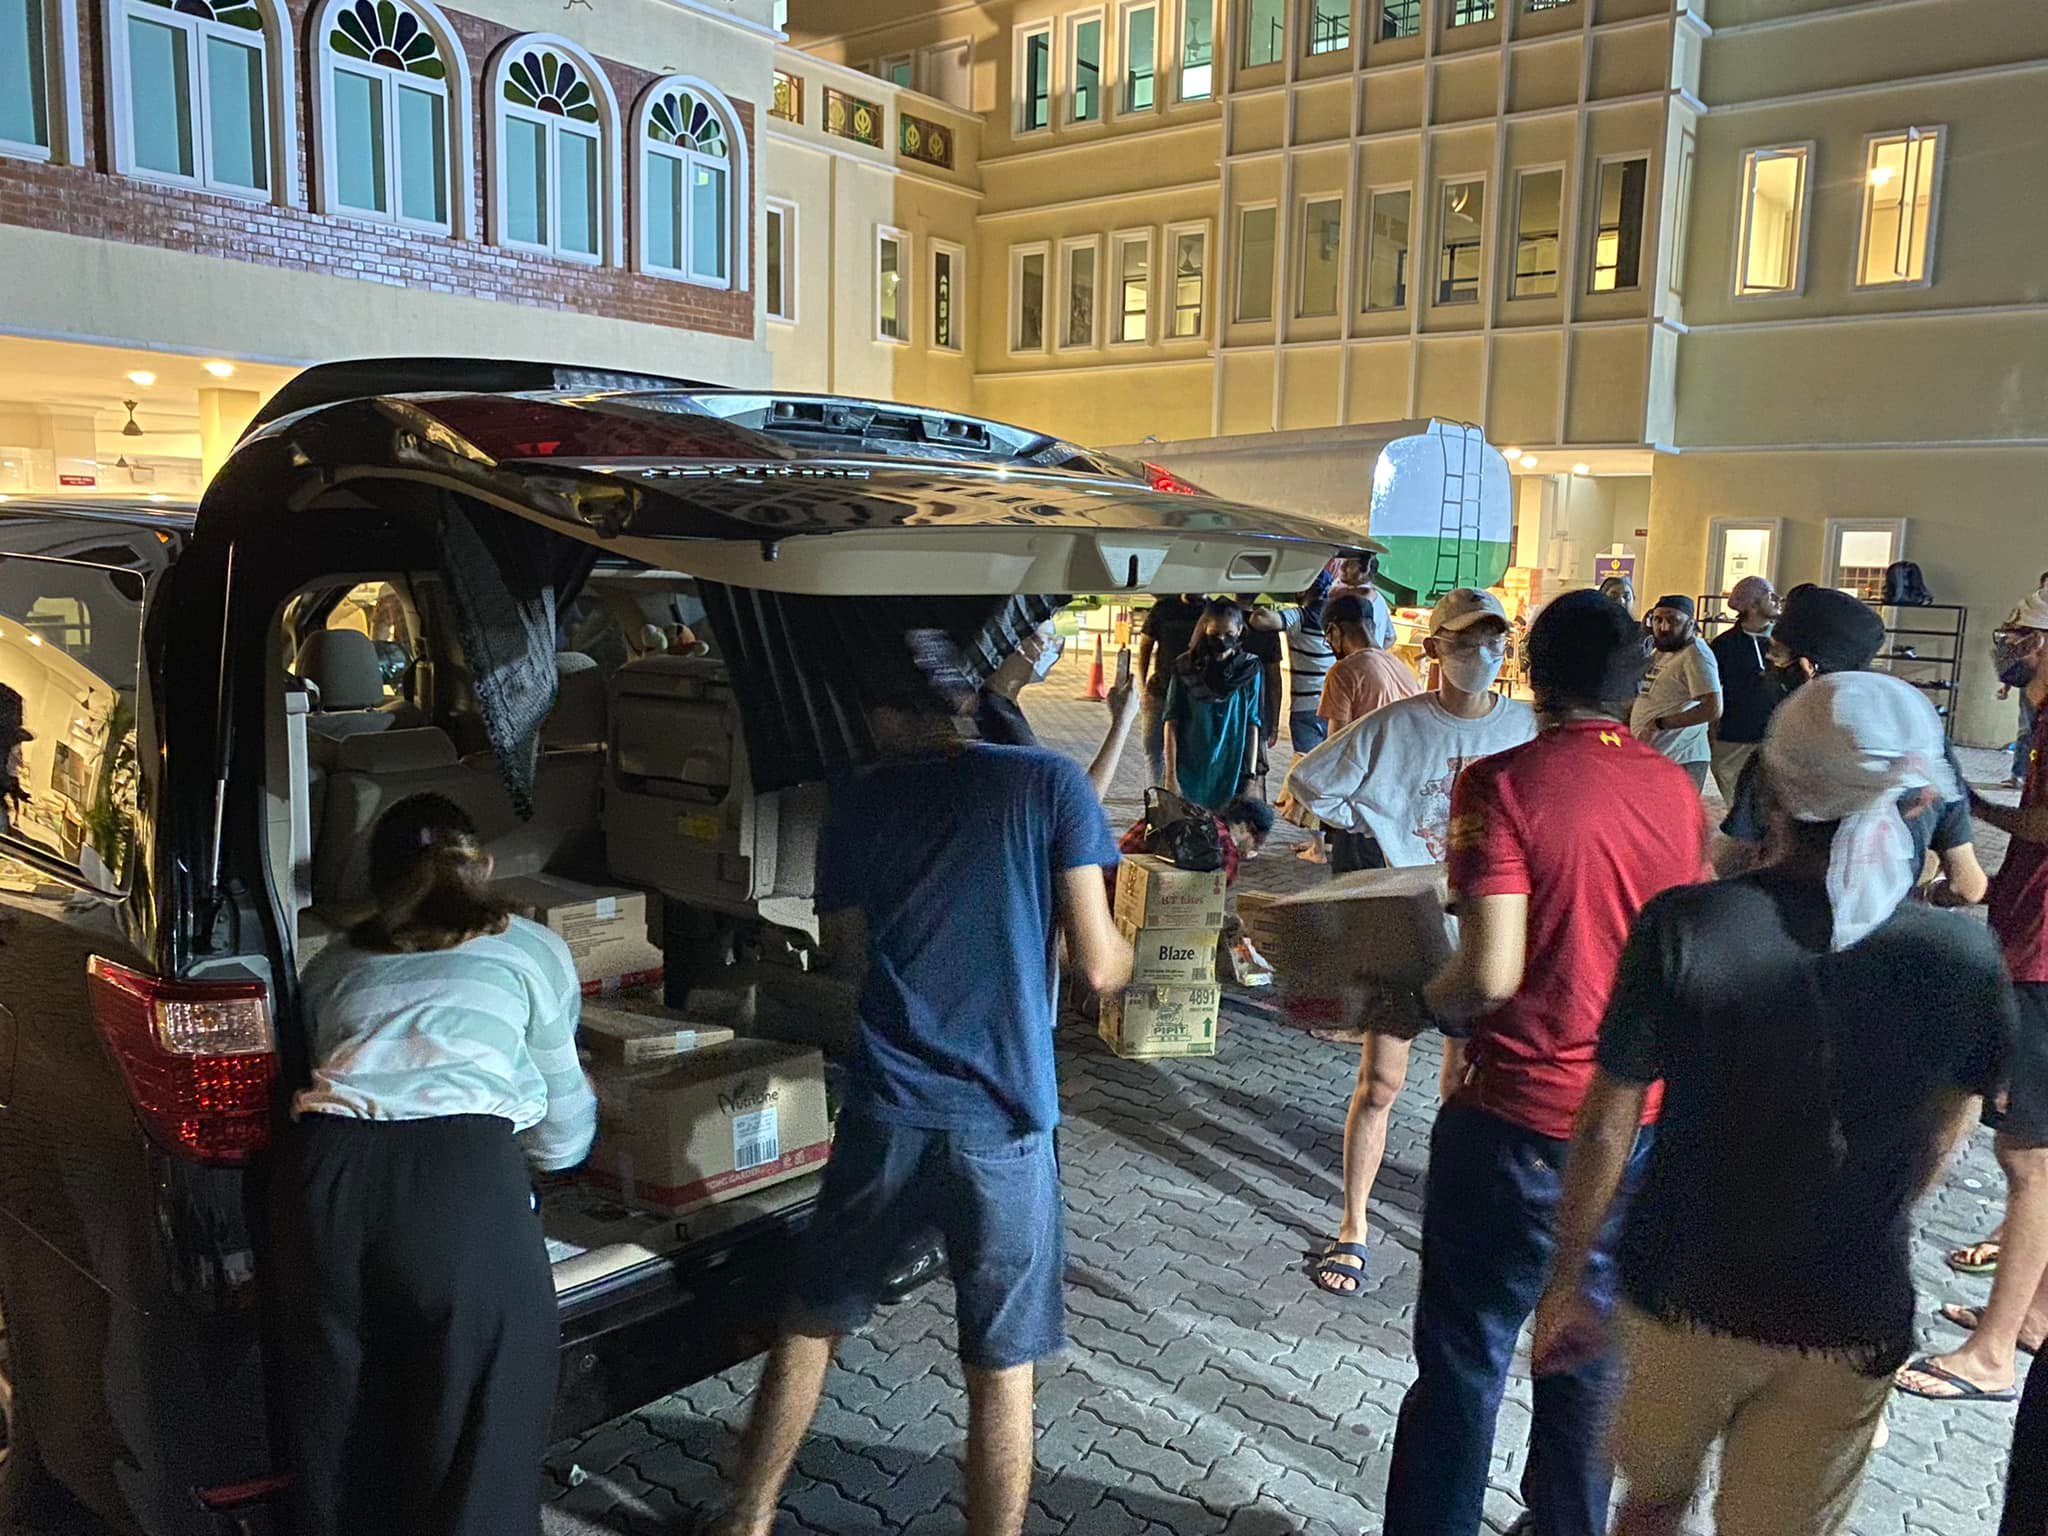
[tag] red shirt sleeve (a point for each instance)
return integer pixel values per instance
(1486, 857)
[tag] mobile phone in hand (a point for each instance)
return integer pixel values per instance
(1123, 665)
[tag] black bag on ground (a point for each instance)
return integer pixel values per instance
(1181, 832)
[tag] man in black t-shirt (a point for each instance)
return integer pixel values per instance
(1749, 691)
(1823, 1045)
(1168, 629)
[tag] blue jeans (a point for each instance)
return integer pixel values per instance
(1487, 1220)
(993, 1194)
(1307, 730)
(2023, 744)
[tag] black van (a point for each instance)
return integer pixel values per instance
(621, 620)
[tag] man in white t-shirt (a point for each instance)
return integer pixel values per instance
(1388, 775)
(1681, 695)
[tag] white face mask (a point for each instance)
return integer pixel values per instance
(1472, 671)
(1050, 649)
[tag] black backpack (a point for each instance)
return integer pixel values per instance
(1905, 587)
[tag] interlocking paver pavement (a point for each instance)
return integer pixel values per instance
(1209, 1391)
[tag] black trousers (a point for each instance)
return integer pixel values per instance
(415, 1325)
(2026, 1482)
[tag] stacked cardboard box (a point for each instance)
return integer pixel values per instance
(632, 1031)
(605, 927)
(1173, 918)
(1335, 947)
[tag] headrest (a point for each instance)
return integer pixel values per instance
(578, 718)
(409, 751)
(342, 664)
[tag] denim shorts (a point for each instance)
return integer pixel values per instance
(993, 1195)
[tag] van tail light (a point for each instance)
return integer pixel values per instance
(199, 1059)
(1164, 479)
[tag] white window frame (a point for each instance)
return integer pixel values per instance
(1363, 242)
(1592, 242)
(884, 64)
(272, 41)
(1070, 67)
(1020, 50)
(906, 285)
(605, 132)
(1308, 30)
(1120, 98)
(1237, 316)
(1718, 530)
(1831, 547)
(455, 90)
(1066, 305)
(1436, 245)
(1169, 310)
(1870, 142)
(1513, 246)
(1180, 50)
(1807, 151)
(1300, 232)
(1119, 241)
(63, 119)
(787, 212)
(736, 185)
(957, 254)
(1048, 287)
(1241, 17)
(928, 74)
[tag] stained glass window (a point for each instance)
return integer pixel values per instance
(388, 102)
(687, 172)
(547, 82)
(552, 179)
(680, 118)
(197, 98)
(385, 35)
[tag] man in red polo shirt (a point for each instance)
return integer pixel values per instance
(1555, 847)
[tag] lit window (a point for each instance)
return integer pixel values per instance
(1771, 258)
(892, 294)
(949, 265)
(778, 236)
(1190, 248)
(1386, 250)
(389, 127)
(1255, 264)
(196, 99)
(1134, 287)
(1034, 74)
(1465, 13)
(1141, 57)
(1618, 225)
(1077, 287)
(1322, 233)
(1539, 198)
(1027, 298)
(1197, 49)
(1461, 235)
(1265, 33)
(1898, 207)
(1399, 19)
(551, 186)
(687, 185)
(1329, 26)
(1084, 62)
(24, 78)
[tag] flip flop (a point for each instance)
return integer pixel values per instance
(1966, 1391)
(1985, 1261)
(1323, 1267)
(1967, 1319)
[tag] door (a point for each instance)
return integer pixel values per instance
(1738, 548)
(1858, 550)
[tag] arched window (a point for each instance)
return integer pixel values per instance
(693, 184)
(394, 100)
(198, 89)
(554, 185)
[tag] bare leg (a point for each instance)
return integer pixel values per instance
(1000, 1440)
(1382, 1069)
(1987, 1359)
(1639, 1517)
(784, 1404)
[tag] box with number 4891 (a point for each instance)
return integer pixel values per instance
(713, 1124)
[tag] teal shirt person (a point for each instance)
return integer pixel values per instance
(1212, 728)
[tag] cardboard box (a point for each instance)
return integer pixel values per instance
(711, 1125)
(1171, 957)
(1151, 893)
(1334, 947)
(633, 1031)
(1146, 1023)
(605, 928)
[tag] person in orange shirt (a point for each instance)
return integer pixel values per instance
(1365, 677)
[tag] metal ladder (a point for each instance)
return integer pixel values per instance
(1457, 538)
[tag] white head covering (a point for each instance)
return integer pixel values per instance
(1844, 748)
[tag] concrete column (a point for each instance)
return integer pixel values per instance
(223, 413)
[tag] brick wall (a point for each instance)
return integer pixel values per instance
(89, 200)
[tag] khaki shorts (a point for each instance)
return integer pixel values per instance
(1797, 1428)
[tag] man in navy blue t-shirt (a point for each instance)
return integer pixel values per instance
(945, 873)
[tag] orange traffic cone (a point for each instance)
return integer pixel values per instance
(1095, 689)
